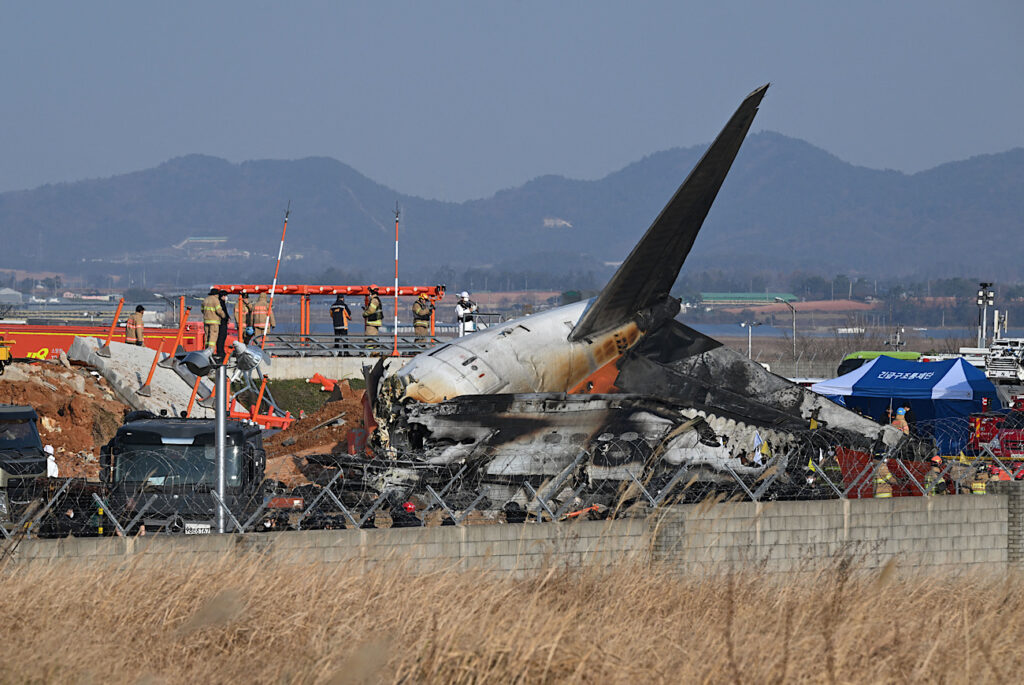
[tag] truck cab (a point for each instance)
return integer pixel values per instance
(22, 459)
(176, 460)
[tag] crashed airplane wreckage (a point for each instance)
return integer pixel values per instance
(581, 399)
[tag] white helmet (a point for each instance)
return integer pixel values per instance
(463, 295)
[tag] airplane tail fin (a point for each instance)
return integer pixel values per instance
(647, 275)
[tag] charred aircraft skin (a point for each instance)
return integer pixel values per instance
(511, 403)
(529, 354)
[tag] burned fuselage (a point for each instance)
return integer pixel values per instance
(530, 403)
(604, 440)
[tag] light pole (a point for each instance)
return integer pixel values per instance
(200, 363)
(793, 310)
(174, 310)
(749, 325)
(986, 298)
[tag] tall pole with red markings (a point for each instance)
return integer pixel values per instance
(273, 286)
(394, 352)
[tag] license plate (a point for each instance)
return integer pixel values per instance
(197, 529)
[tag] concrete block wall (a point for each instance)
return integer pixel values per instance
(946, 533)
(338, 368)
(504, 547)
(938, 533)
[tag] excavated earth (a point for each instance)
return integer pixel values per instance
(287, 450)
(78, 411)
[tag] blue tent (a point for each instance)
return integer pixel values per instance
(941, 394)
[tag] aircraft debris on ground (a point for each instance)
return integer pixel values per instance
(605, 393)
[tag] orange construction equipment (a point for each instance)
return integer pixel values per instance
(105, 350)
(192, 397)
(325, 382)
(169, 362)
(144, 390)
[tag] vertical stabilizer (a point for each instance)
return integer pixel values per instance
(647, 275)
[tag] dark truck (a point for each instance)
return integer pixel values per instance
(22, 460)
(175, 460)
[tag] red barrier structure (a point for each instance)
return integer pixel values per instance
(902, 485)
(854, 467)
(434, 293)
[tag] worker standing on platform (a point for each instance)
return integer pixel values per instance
(340, 315)
(373, 315)
(222, 331)
(133, 330)
(465, 312)
(212, 315)
(262, 315)
(247, 318)
(422, 309)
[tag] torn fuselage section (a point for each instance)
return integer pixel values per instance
(593, 447)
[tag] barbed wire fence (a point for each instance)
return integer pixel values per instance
(610, 477)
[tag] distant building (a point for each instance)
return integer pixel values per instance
(9, 296)
(724, 299)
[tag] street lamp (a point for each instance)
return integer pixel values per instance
(174, 311)
(200, 363)
(793, 310)
(986, 298)
(749, 325)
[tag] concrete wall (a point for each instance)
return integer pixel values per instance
(940, 533)
(953, 533)
(504, 547)
(286, 368)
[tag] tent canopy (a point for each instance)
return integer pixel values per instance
(941, 394)
(953, 379)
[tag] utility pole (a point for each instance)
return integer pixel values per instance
(986, 298)
(749, 325)
(793, 310)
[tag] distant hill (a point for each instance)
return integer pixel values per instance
(786, 205)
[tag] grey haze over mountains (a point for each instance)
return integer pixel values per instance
(786, 205)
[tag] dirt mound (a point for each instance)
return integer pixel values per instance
(287, 450)
(78, 411)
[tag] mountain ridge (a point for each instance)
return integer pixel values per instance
(786, 205)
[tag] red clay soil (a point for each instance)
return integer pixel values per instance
(78, 412)
(287, 463)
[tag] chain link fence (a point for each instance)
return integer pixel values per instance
(614, 476)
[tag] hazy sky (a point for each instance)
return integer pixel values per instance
(456, 100)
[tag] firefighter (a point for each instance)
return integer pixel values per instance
(900, 421)
(404, 516)
(262, 315)
(340, 315)
(133, 330)
(247, 317)
(222, 330)
(934, 481)
(465, 312)
(422, 309)
(212, 315)
(373, 315)
(883, 481)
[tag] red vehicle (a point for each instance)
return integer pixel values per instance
(46, 341)
(1003, 433)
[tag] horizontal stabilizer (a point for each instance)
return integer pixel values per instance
(647, 275)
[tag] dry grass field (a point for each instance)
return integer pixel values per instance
(244, 622)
